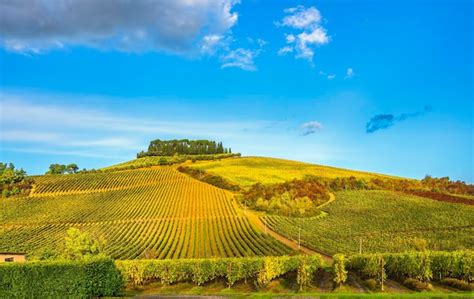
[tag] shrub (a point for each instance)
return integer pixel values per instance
(456, 264)
(409, 265)
(60, 279)
(421, 266)
(458, 284)
(308, 265)
(370, 266)
(199, 271)
(211, 179)
(275, 267)
(339, 269)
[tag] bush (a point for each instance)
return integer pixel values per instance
(275, 267)
(417, 285)
(370, 266)
(456, 264)
(415, 265)
(458, 284)
(60, 279)
(211, 179)
(199, 271)
(422, 266)
(339, 269)
(308, 265)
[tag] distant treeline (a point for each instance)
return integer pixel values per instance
(437, 185)
(13, 181)
(184, 147)
(211, 179)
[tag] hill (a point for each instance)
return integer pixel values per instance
(155, 210)
(143, 209)
(247, 171)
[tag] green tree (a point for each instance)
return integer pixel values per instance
(56, 169)
(79, 245)
(72, 168)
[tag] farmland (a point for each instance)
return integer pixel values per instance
(150, 210)
(250, 170)
(381, 221)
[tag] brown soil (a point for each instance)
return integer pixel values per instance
(442, 197)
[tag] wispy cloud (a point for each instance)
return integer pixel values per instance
(30, 122)
(307, 32)
(179, 26)
(240, 58)
(385, 121)
(75, 153)
(349, 73)
(310, 127)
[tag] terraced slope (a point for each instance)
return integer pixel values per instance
(247, 171)
(136, 211)
(383, 221)
(97, 182)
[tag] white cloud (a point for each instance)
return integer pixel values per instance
(310, 127)
(178, 26)
(210, 43)
(240, 58)
(309, 33)
(349, 73)
(301, 18)
(285, 50)
(331, 77)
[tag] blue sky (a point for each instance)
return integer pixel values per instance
(384, 86)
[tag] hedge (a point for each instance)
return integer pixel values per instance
(423, 266)
(260, 270)
(60, 279)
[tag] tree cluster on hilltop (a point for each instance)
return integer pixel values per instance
(184, 147)
(62, 169)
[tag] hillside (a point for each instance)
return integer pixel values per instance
(381, 221)
(137, 211)
(143, 210)
(247, 171)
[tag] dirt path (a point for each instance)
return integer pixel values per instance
(332, 198)
(255, 219)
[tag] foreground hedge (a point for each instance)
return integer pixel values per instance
(60, 279)
(261, 270)
(422, 266)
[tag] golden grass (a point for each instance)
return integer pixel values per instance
(247, 171)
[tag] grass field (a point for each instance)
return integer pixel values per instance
(247, 171)
(155, 209)
(385, 222)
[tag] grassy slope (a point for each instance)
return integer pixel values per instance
(134, 210)
(247, 171)
(386, 221)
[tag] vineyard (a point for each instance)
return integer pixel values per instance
(381, 221)
(250, 170)
(150, 210)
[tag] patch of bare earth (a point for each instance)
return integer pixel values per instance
(442, 197)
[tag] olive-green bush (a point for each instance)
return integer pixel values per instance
(260, 270)
(422, 266)
(60, 279)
